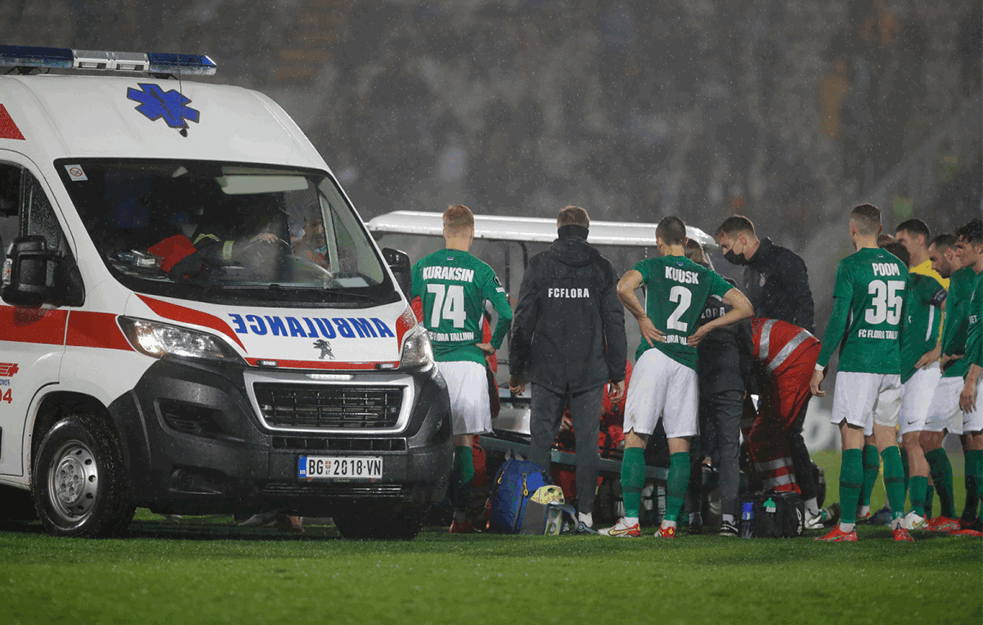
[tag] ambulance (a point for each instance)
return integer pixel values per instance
(193, 317)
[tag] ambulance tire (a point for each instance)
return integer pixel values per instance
(80, 487)
(380, 521)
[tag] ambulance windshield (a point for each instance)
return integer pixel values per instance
(227, 232)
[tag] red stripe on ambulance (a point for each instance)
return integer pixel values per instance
(8, 129)
(95, 329)
(321, 364)
(32, 325)
(190, 315)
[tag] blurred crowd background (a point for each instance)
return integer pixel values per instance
(787, 111)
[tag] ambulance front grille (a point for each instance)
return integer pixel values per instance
(329, 406)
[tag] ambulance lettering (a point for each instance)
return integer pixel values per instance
(7, 371)
(311, 327)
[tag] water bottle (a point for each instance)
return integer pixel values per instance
(747, 517)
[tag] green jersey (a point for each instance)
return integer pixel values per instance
(453, 287)
(961, 286)
(677, 292)
(920, 333)
(868, 311)
(974, 330)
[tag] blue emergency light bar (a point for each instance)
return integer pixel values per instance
(145, 63)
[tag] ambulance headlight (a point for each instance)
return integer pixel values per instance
(416, 351)
(163, 339)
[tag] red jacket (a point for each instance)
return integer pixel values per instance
(778, 343)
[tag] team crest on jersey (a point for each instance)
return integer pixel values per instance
(762, 279)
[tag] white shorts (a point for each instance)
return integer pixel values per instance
(916, 398)
(662, 388)
(863, 399)
(973, 421)
(467, 387)
(944, 414)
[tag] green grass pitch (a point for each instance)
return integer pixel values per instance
(203, 571)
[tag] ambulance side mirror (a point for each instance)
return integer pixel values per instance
(399, 262)
(30, 274)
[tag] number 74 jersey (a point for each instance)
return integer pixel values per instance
(869, 302)
(453, 287)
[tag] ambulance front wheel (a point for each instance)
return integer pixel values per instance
(79, 482)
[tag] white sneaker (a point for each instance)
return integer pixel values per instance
(622, 529)
(813, 522)
(913, 521)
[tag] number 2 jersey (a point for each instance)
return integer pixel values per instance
(677, 290)
(453, 286)
(868, 312)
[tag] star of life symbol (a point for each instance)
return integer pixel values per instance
(155, 103)
(325, 348)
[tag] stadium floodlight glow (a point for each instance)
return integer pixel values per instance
(30, 57)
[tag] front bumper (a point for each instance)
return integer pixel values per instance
(193, 443)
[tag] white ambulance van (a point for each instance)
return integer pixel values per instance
(193, 317)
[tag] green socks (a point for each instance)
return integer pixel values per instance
(907, 470)
(461, 477)
(917, 488)
(941, 469)
(929, 498)
(871, 465)
(852, 475)
(894, 480)
(632, 480)
(972, 499)
(676, 483)
(974, 467)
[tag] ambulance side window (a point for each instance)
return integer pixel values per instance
(37, 217)
(9, 197)
(25, 210)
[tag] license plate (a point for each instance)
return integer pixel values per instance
(339, 467)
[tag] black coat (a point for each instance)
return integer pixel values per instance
(777, 283)
(568, 333)
(725, 353)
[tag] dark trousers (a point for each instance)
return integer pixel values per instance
(544, 423)
(721, 413)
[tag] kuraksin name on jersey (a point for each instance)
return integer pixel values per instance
(439, 272)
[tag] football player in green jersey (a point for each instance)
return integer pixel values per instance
(453, 286)
(969, 400)
(920, 350)
(945, 415)
(664, 381)
(865, 324)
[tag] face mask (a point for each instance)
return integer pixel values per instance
(736, 259)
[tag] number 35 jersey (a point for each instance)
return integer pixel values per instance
(453, 286)
(868, 312)
(677, 292)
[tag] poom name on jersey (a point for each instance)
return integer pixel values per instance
(458, 274)
(311, 327)
(885, 269)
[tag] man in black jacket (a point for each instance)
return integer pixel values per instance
(725, 363)
(775, 278)
(777, 283)
(568, 340)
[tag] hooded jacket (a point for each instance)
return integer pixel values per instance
(568, 333)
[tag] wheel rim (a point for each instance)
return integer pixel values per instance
(73, 481)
